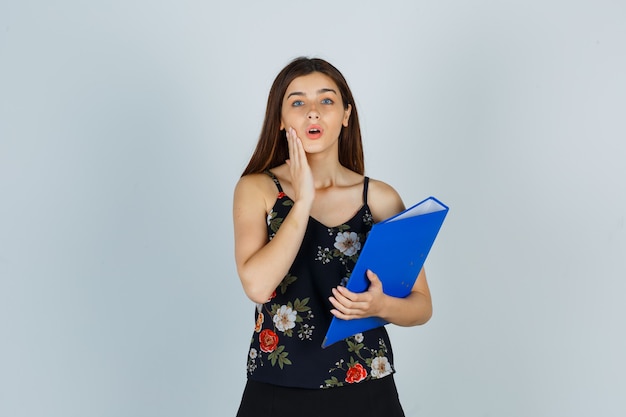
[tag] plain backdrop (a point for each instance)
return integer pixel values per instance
(125, 124)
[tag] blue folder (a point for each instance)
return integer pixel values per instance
(395, 250)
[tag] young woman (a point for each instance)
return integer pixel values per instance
(302, 211)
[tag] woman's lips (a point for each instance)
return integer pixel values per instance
(314, 132)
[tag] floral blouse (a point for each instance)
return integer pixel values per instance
(289, 328)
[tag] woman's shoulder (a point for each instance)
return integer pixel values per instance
(253, 181)
(264, 178)
(383, 200)
(256, 187)
(381, 186)
(380, 190)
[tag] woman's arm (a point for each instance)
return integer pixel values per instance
(262, 264)
(413, 310)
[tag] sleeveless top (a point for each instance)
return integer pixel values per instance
(289, 328)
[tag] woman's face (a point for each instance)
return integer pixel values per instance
(312, 105)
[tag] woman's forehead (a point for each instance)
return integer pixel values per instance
(311, 83)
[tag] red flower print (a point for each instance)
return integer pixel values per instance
(268, 340)
(281, 195)
(355, 373)
(271, 296)
(259, 322)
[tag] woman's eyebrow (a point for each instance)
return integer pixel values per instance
(326, 90)
(320, 91)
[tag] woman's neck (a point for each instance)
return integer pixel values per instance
(326, 171)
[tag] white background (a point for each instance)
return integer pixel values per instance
(125, 124)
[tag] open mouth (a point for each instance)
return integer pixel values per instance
(314, 132)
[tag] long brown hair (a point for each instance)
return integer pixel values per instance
(272, 149)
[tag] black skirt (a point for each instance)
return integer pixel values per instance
(377, 398)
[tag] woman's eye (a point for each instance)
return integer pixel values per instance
(297, 103)
(327, 101)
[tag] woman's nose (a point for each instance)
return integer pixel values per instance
(313, 114)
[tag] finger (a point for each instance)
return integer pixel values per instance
(342, 316)
(336, 303)
(375, 282)
(340, 302)
(338, 293)
(298, 148)
(371, 275)
(341, 309)
(290, 144)
(352, 301)
(347, 294)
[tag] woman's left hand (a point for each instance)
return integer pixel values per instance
(350, 305)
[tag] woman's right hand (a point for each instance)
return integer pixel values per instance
(301, 175)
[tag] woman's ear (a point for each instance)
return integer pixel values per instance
(346, 115)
